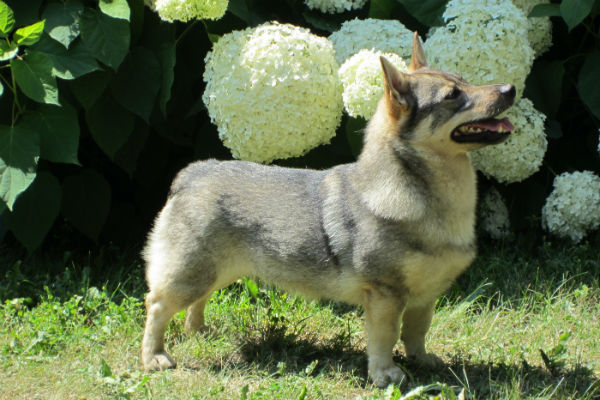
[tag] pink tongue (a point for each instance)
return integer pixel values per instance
(493, 124)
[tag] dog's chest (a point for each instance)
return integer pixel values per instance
(426, 276)
(448, 237)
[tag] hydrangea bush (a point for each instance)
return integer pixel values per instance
(185, 10)
(483, 42)
(521, 155)
(573, 207)
(388, 36)
(539, 31)
(362, 78)
(494, 215)
(273, 91)
(334, 6)
(270, 93)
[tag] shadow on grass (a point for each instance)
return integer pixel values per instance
(493, 380)
(280, 353)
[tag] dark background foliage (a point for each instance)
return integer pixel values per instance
(102, 106)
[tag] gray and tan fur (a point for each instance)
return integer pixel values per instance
(389, 232)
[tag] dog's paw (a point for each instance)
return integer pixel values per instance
(384, 376)
(428, 360)
(159, 362)
(195, 330)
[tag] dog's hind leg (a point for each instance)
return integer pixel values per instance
(415, 324)
(194, 320)
(159, 310)
(382, 319)
(162, 302)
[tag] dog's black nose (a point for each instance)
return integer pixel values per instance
(508, 90)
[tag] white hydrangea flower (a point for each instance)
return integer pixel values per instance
(184, 10)
(539, 32)
(494, 215)
(388, 36)
(273, 91)
(573, 207)
(334, 6)
(362, 78)
(482, 40)
(521, 155)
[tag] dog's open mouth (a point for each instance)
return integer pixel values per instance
(487, 131)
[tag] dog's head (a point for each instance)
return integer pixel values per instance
(439, 109)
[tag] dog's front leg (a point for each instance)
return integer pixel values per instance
(382, 318)
(416, 321)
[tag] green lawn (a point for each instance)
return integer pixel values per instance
(512, 327)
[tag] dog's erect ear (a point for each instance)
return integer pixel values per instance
(417, 59)
(395, 81)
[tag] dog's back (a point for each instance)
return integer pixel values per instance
(247, 219)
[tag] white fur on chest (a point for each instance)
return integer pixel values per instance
(449, 232)
(426, 276)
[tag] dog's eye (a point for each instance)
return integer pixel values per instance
(454, 94)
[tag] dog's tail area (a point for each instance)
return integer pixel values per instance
(156, 253)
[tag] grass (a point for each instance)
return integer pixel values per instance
(514, 326)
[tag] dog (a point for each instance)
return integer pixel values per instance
(389, 232)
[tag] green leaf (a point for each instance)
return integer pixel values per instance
(62, 20)
(105, 37)
(575, 11)
(252, 288)
(4, 214)
(7, 20)
(86, 202)
(88, 88)
(427, 12)
(553, 129)
(127, 156)
(8, 51)
(327, 23)
(564, 337)
(588, 83)
(26, 12)
(115, 8)
(302, 394)
(34, 77)
(545, 97)
(58, 128)
(137, 19)
(19, 153)
(30, 34)
(67, 64)
(110, 124)
(137, 82)
(105, 370)
(167, 59)
(36, 210)
(382, 9)
(240, 9)
(160, 38)
(545, 10)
